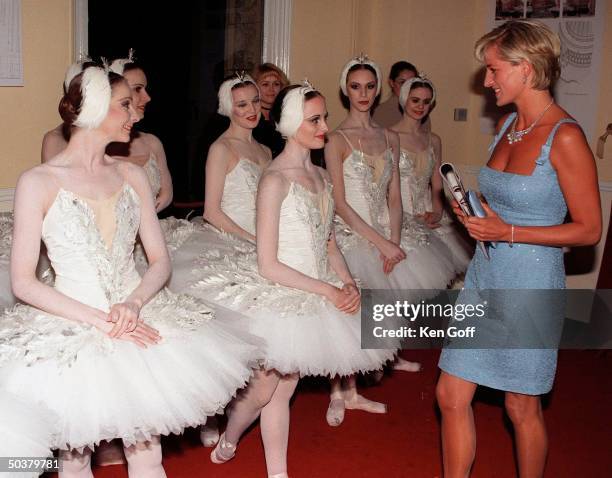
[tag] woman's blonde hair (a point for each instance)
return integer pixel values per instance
(527, 40)
(265, 68)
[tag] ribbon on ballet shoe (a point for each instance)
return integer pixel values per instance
(217, 456)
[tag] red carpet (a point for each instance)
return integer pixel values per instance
(405, 442)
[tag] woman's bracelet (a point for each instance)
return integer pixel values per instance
(511, 243)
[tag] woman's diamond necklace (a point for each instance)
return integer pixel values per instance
(516, 136)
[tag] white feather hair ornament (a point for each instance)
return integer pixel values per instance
(292, 111)
(225, 92)
(118, 65)
(360, 60)
(405, 89)
(96, 96)
(73, 70)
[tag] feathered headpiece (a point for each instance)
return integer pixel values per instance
(405, 89)
(118, 65)
(73, 70)
(225, 92)
(292, 111)
(360, 60)
(96, 96)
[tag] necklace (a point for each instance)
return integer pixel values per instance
(516, 136)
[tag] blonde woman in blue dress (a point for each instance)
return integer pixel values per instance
(540, 168)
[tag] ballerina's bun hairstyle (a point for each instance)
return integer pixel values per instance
(411, 84)
(528, 40)
(87, 100)
(226, 101)
(362, 62)
(288, 108)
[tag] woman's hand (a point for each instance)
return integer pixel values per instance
(391, 252)
(124, 316)
(432, 219)
(142, 335)
(490, 228)
(346, 299)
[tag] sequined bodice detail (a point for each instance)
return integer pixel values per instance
(240, 192)
(536, 199)
(153, 173)
(366, 181)
(87, 267)
(304, 229)
(416, 170)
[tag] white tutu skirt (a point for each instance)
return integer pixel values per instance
(103, 388)
(25, 431)
(461, 250)
(428, 264)
(304, 333)
(186, 240)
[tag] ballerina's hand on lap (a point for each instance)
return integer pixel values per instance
(346, 299)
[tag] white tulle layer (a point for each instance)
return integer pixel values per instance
(25, 431)
(103, 388)
(429, 262)
(304, 333)
(461, 250)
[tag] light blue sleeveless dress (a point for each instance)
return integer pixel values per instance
(535, 200)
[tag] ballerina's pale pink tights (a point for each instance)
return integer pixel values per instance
(268, 395)
(144, 461)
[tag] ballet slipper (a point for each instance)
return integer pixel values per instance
(109, 453)
(223, 452)
(335, 412)
(359, 402)
(279, 475)
(406, 366)
(209, 433)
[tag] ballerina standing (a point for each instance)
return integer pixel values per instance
(363, 161)
(419, 164)
(69, 348)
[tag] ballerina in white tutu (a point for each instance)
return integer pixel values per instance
(419, 163)
(304, 304)
(104, 349)
(233, 168)
(362, 159)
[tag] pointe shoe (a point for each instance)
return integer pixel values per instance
(109, 453)
(223, 452)
(209, 435)
(359, 402)
(407, 366)
(335, 412)
(279, 475)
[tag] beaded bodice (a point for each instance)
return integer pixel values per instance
(416, 170)
(366, 181)
(304, 229)
(240, 192)
(90, 265)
